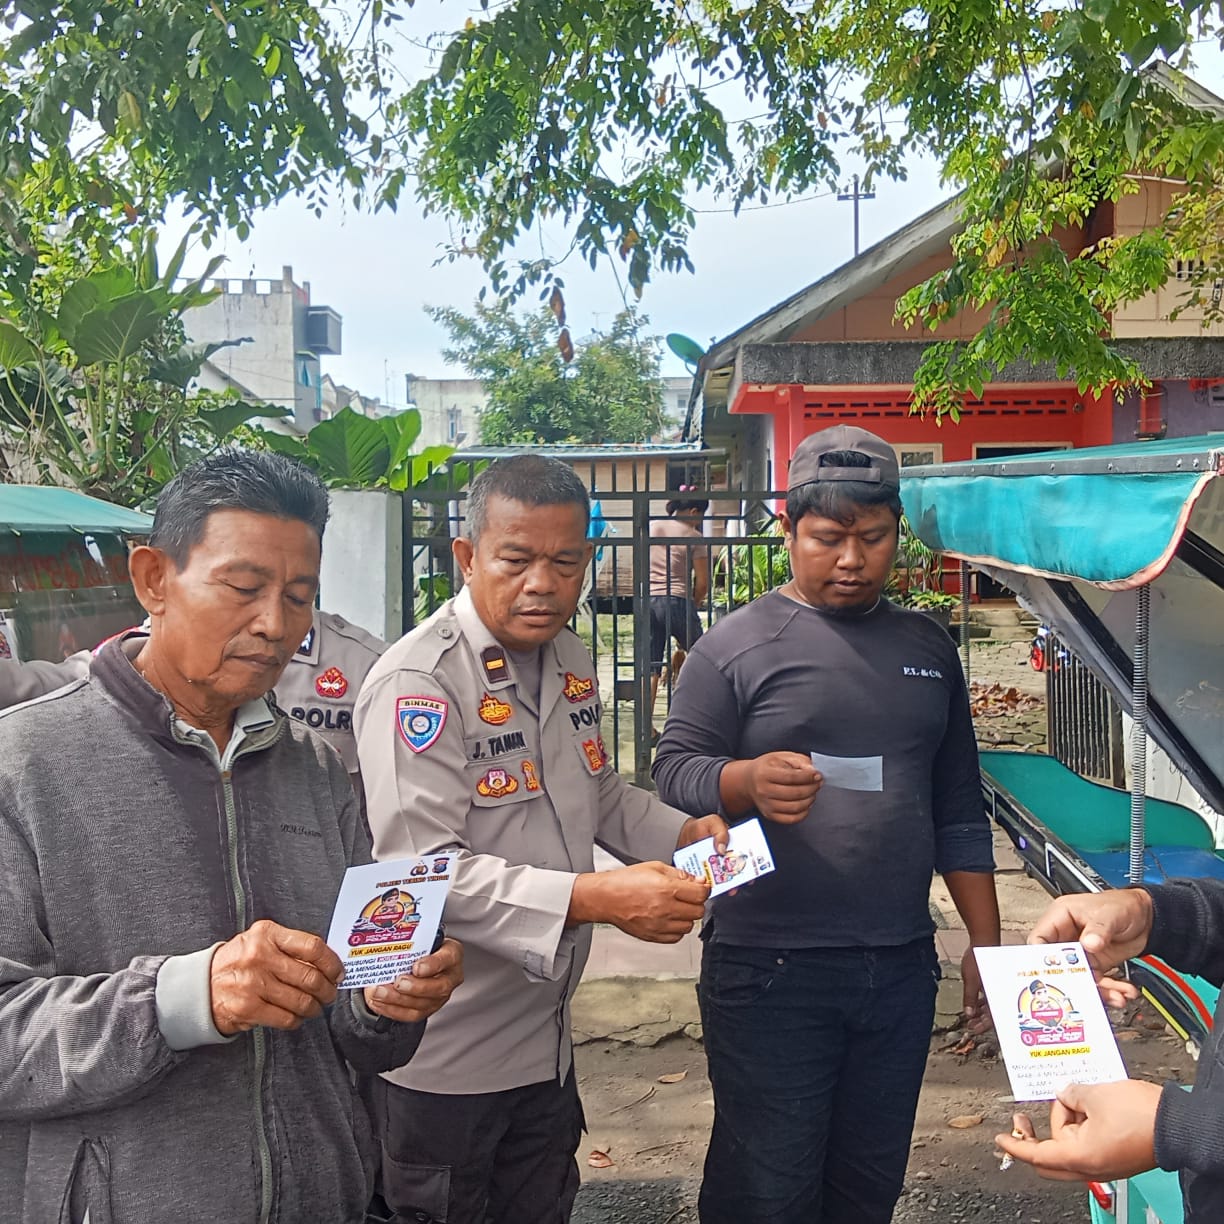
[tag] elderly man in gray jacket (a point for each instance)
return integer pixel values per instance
(173, 1044)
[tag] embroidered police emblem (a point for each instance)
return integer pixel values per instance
(493, 659)
(596, 755)
(531, 779)
(496, 783)
(493, 711)
(332, 683)
(420, 721)
(577, 689)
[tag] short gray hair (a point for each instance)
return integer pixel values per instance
(259, 481)
(531, 480)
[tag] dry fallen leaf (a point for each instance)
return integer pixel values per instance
(965, 1121)
(599, 1159)
(630, 1104)
(674, 1078)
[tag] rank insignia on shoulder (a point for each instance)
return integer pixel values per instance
(531, 779)
(596, 755)
(332, 683)
(493, 659)
(577, 689)
(420, 721)
(493, 711)
(496, 783)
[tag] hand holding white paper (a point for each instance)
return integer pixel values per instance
(387, 917)
(1049, 1018)
(851, 773)
(747, 858)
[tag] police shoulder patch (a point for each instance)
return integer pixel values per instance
(420, 720)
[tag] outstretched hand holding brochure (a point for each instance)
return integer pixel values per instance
(387, 917)
(747, 857)
(1049, 1018)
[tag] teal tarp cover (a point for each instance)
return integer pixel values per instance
(36, 508)
(1109, 515)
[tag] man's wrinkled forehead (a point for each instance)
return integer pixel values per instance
(247, 544)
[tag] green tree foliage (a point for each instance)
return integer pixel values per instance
(610, 115)
(542, 390)
(222, 105)
(351, 451)
(94, 377)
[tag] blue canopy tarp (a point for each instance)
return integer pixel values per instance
(36, 508)
(1111, 516)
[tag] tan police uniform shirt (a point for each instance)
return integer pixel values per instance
(454, 756)
(320, 684)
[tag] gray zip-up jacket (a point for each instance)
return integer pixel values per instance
(127, 853)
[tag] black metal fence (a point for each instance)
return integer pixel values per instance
(1085, 722)
(741, 553)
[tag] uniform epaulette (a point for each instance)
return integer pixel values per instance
(422, 647)
(354, 633)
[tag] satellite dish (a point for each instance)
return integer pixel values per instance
(689, 351)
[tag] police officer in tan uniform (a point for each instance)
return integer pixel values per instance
(481, 730)
(320, 685)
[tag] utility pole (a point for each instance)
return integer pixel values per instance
(855, 196)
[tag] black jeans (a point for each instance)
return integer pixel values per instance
(816, 1056)
(482, 1158)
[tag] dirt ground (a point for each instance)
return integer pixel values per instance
(654, 1133)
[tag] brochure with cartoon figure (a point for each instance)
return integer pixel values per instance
(1049, 1018)
(387, 917)
(747, 858)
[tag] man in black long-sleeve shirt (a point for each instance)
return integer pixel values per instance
(1107, 1131)
(818, 981)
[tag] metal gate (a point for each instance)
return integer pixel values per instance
(1085, 722)
(742, 548)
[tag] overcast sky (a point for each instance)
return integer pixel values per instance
(380, 271)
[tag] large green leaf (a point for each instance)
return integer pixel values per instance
(221, 422)
(287, 444)
(114, 330)
(402, 430)
(88, 294)
(179, 368)
(15, 348)
(350, 449)
(428, 469)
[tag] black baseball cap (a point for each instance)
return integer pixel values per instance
(805, 466)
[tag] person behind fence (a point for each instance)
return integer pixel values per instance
(172, 1042)
(1106, 1132)
(679, 583)
(818, 981)
(480, 730)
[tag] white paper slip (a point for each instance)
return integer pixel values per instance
(747, 857)
(387, 916)
(851, 773)
(1049, 1018)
